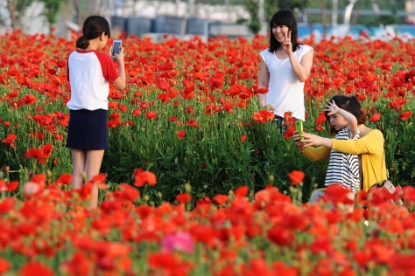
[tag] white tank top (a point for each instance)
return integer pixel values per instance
(285, 91)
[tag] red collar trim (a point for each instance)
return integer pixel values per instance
(84, 51)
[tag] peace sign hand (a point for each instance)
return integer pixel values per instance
(286, 45)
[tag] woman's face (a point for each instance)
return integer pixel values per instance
(280, 32)
(338, 122)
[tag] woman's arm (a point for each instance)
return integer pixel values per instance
(370, 143)
(119, 83)
(263, 81)
(313, 154)
(302, 69)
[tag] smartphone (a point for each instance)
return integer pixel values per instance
(299, 128)
(116, 45)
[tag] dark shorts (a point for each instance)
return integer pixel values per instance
(281, 126)
(279, 121)
(87, 130)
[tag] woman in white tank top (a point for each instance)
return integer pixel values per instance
(285, 67)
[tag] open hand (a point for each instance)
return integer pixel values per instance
(332, 108)
(311, 140)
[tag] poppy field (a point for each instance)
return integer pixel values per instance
(197, 179)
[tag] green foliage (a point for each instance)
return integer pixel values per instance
(252, 6)
(52, 8)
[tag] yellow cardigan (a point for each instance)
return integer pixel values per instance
(371, 149)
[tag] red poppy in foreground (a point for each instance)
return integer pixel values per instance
(220, 199)
(4, 266)
(375, 118)
(143, 177)
(47, 150)
(263, 116)
(296, 177)
(241, 191)
(64, 179)
(405, 115)
(35, 268)
(183, 198)
(36, 153)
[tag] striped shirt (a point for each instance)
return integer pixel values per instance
(344, 168)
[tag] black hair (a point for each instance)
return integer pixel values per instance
(286, 18)
(350, 104)
(93, 27)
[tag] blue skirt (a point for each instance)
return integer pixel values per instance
(87, 130)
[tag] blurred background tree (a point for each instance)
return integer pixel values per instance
(17, 9)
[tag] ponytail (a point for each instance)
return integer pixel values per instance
(93, 27)
(82, 42)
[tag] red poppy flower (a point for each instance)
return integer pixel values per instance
(10, 139)
(220, 199)
(64, 179)
(29, 99)
(36, 153)
(321, 118)
(281, 236)
(262, 90)
(263, 116)
(183, 198)
(192, 123)
(296, 177)
(151, 115)
(172, 119)
(47, 150)
(181, 134)
(144, 177)
(165, 261)
(375, 118)
(136, 112)
(241, 191)
(12, 186)
(289, 132)
(405, 115)
(243, 138)
(35, 268)
(4, 266)
(337, 193)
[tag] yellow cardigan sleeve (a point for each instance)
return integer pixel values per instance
(371, 143)
(316, 154)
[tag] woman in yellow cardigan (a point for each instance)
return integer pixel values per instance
(370, 148)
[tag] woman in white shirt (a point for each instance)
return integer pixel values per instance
(285, 67)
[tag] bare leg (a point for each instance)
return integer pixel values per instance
(78, 162)
(92, 166)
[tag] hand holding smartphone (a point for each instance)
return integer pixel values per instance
(299, 128)
(116, 47)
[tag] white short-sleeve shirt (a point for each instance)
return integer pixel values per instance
(89, 73)
(285, 91)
